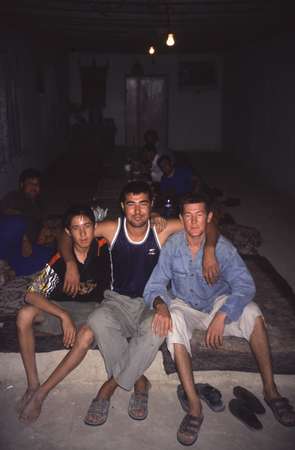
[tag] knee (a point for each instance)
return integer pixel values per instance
(25, 317)
(99, 320)
(178, 321)
(85, 337)
(251, 318)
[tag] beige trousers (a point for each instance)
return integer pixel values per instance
(186, 319)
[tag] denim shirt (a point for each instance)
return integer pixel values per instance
(176, 265)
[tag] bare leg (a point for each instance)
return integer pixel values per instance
(185, 373)
(142, 384)
(107, 389)
(26, 340)
(83, 342)
(260, 347)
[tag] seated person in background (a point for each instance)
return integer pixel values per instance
(49, 308)
(152, 151)
(150, 163)
(21, 218)
(151, 140)
(224, 308)
(175, 181)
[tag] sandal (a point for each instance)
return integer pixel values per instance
(208, 393)
(252, 402)
(97, 413)
(211, 396)
(240, 410)
(282, 410)
(138, 404)
(189, 428)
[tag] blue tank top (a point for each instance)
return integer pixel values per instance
(133, 262)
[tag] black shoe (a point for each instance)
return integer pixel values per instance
(249, 399)
(241, 411)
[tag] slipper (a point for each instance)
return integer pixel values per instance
(211, 396)
(138, 404)
(97, 413)
(208, 393)
(253, 403)
(282, 410)
(188, 431)
(240, 410)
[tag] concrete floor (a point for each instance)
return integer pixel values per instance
(61, 425)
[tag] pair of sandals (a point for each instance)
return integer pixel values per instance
(246, 405)
(188, 431)
(98, 410)
(207, 393)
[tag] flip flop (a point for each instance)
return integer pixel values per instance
(282, 410)
(138, 404)
(208, 393)
(249, 399)
(240, 410)
(188, 431)
(211, 396)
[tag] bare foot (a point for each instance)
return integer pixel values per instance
(32, 409)
(25, 399)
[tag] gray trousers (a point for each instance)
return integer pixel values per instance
(123, 331)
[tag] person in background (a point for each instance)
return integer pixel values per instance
(21, 219)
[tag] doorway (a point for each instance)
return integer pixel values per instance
(146, 107)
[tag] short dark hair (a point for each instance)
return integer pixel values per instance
(200, 197)
(136, 187)
(29, 173)
(164, 158)
(77, 210)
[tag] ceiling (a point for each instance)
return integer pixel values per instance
(131, 26)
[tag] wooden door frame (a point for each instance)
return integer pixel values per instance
(166, 107)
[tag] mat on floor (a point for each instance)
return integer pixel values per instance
(274, 296)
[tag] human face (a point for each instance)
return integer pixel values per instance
(137, 209)
(31, 187)
(166, 167)
(195, 219)
(82, 232)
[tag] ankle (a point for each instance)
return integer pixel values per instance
(195, 408)
(33, 387)
(271, 392)
(141, 384)
(196, 411)
(41, 394)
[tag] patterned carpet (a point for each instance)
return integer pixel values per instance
(274, 296)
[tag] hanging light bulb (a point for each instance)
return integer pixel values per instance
(170, 40)
(152, 50)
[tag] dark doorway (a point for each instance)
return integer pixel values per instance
(146, 107)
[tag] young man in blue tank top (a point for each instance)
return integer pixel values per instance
(122, 325)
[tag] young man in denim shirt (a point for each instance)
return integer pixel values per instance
(224, 308)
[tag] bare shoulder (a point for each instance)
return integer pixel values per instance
(106, 229)
(173, 226)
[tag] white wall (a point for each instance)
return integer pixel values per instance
(259, 109)
(194, 118)
(42, 117)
